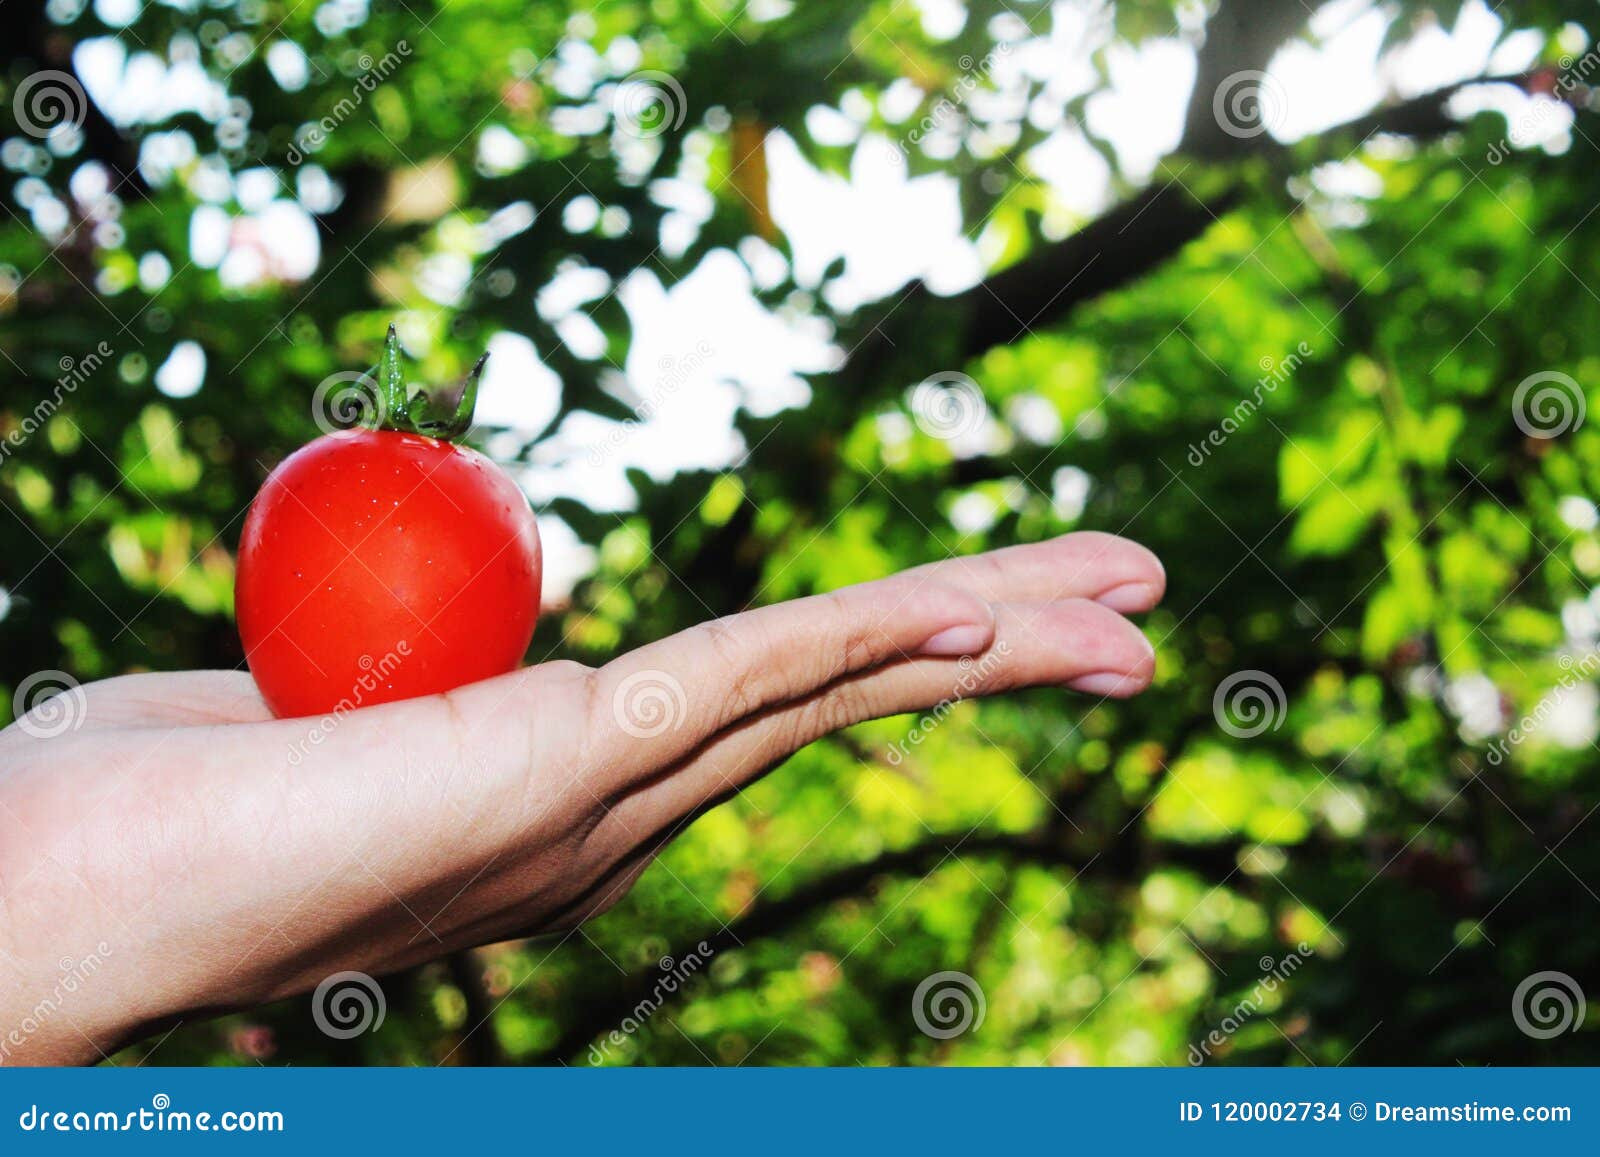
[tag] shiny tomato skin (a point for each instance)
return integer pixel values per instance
(376, 565)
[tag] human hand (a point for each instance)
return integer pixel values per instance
(222, 858)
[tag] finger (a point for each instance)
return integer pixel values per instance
(657, 704)
(1115, 572)
(1077, 643)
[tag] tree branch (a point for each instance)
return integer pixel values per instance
(1242, 36)
(1423, 117)
(920, 859)
(1146, 231)
(1110, 252)
(1104, 256)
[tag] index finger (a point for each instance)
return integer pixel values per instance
(660, 702)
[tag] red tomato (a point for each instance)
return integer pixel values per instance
(377, 565)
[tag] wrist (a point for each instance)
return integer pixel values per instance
(63, 987)
(49, 1013)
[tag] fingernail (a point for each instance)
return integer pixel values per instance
(954, 641)
(1104, 683)
(1127, 599)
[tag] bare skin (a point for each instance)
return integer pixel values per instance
(211, 857)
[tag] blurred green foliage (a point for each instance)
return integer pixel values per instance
(1378, 534)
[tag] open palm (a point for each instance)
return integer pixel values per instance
(224, 858)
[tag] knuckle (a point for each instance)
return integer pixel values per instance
(568, 690)
(843, 706)
(586, 688)
(791, 734)
(859, 638)
(566, 670)
(993, 674)
(725, 640)
(730, 648)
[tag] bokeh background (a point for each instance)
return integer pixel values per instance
(785, 295)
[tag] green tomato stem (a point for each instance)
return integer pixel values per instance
(443, 412)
